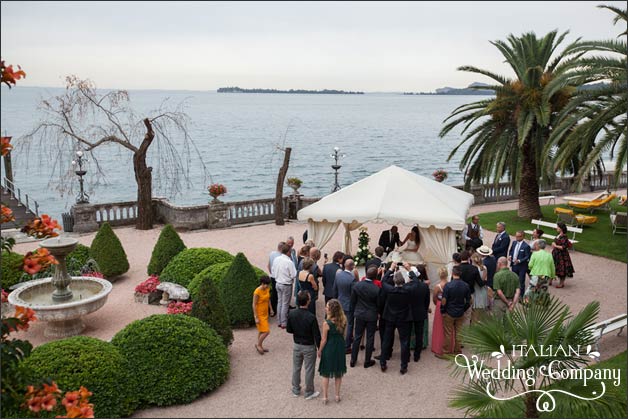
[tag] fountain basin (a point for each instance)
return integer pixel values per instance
(63, 319)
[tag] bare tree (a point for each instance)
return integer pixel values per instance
(86, 119)
(279, 191)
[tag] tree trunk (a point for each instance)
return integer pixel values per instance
(529, 206)
(144, 179)
(279, 191)
(530, 402)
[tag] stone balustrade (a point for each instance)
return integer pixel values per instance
(88, 217)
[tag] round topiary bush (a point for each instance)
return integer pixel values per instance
(173, 357)
(237, 289)
(97, 365)
(216, 273)
(184, 266)
(108, 252)
(11, 265)
(168, 246)
(208, 307)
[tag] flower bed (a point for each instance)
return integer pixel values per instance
(147, 293)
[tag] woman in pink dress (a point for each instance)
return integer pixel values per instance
(438, 334)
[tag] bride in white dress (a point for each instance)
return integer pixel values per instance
(411, 252)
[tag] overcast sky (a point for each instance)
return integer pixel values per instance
(338, 45)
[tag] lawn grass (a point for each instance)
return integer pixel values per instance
(596, 239)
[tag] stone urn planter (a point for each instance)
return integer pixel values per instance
(148, 298)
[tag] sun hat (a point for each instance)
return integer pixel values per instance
(484, 250)
(534, 280)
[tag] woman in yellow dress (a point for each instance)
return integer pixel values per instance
(261, 298)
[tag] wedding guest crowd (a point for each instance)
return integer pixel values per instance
(395, 297)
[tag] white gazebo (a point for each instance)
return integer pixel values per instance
(394, 196)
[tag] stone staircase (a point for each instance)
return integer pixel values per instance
(24, 208)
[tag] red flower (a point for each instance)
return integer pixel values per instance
(49, 402)
(5, 145)
(148, 286)
(217, 189)
(71, 399)
(10, 76)
(34, 404)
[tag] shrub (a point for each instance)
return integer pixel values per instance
(168, 246)
(237, 289)
(184, 266)
(108, 252)
(84, 361)
(216, 273)
(208, 307)
(11, 265)
(174, 358)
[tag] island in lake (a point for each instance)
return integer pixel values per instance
(470, 90)
(293, 91)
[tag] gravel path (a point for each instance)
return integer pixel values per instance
(260, 385)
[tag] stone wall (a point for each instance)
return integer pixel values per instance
(218, 214)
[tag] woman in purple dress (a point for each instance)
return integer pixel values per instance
(560, 253)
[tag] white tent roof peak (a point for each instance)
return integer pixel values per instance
(394, 196)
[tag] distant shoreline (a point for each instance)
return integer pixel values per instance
(291, 91)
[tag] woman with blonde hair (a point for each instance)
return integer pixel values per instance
(438, 333)
(333, 362)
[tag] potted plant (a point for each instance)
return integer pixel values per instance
(440, 175)
(216, 190)
(295, 183)
(146, 292)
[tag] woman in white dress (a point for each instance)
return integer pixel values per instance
(413, 242)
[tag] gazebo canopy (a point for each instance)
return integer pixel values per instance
(394, 196)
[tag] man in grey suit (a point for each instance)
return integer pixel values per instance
(343, 285)
(364, 299)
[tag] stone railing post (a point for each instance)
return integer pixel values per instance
(294, 205)
(478, 193)
(217, 215)
(84, 218)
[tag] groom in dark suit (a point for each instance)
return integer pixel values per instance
(519, 256)
(389, 239)
(419, 305)
(501, 242)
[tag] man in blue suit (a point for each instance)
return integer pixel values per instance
(519, 256)
(501, 242)
(343, 285)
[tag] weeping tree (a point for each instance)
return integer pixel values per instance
(595, 121)
(83, 118)
(506, 135)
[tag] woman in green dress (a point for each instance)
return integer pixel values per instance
(333, 362)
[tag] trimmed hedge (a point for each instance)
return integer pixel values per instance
(11, 266)
(108, 252)
(237, 289)
(174, 358)
(216, 273)
(208, 307)
(188, 263)
(93, 363)
(168, 246)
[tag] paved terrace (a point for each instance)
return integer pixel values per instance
(260, 385)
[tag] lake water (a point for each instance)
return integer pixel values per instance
(237, 137)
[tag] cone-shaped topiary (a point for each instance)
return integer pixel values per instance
(108, 252)
(188, 263)
(208, 307)
(168, 246)
(93, 363)
(216, 273)
(174, 358)
(237, 289)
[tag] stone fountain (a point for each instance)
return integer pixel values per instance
(62, 300)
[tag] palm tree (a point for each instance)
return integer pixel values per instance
(594, 122)
(521, 339)
(507, 134)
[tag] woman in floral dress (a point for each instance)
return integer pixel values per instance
(560, 253)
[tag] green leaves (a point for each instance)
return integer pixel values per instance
(108, 252)
(186, 264)
(168, 246)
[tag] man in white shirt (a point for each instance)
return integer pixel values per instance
(473, 234)
(284, 272)
(273, 285)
